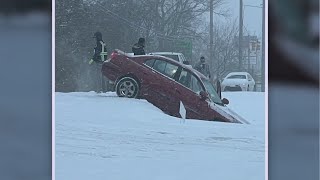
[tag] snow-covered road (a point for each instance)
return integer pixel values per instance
(101, 136)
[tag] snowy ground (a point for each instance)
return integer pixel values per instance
(106, 137)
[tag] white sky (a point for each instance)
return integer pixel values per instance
(252, 19)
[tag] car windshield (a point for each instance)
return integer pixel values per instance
(237, 77)
(212, 92)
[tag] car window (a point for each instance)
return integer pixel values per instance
(190, 81)
(164, 67)
(249, 77)
(195, 85)
(184, 78)
(149, 62)
(170, 70)
(212, 92)
(183, 58)
(237, 77)
(160, 66)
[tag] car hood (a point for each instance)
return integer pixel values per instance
(233, 81)
(228, 113)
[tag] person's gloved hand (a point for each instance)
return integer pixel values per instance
(91, 61)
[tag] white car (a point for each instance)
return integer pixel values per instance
(238, 81)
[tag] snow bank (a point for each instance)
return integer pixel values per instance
(102, 136)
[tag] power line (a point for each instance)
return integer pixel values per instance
(129, 23)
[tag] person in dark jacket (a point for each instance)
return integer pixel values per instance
(137, 48)
(100, 55)
(100, 51)
(203, 67)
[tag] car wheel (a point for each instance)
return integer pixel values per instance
(248, 88)
(127, 87)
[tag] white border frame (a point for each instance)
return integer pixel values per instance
(265, 95)
(53, 53)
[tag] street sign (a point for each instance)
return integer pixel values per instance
(185, 47)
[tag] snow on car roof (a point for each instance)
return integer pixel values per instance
(167, 53)
(129, 54)
(149, 54)
(238, 73)
(189, 67)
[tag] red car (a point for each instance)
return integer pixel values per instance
(165, 83)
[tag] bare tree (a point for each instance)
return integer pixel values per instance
(224, 48)
(163, 23)
(225, 53)
(174, 19)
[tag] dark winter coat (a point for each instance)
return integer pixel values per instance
(137, 49)
(203, 68)
(98, 50)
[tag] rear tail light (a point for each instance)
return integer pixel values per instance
(114, 54)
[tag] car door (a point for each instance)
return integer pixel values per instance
(149, 74)
(158, 83)
(187, 89)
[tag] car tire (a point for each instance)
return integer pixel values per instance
(127, 87)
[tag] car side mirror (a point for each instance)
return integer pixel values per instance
(225, 101)
(204, 95)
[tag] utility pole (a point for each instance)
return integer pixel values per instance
(249, 52)
(240, 34)
(211, 30)
(263, 48)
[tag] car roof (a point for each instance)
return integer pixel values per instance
(188, 67)
(148, 55)
(164, 57)
(166, 53)
(237, 73)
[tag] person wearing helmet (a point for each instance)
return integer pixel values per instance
(137, 48)
(100, 51)
(203, 67)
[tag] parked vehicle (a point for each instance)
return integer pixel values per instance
(165, 83)
(238, 81)
(173, 55)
